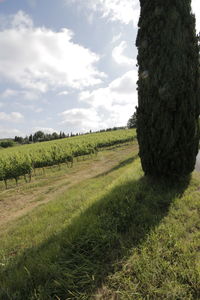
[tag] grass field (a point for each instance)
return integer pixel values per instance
(101, 230)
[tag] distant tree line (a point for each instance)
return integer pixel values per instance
(108, 129)
(40, 136)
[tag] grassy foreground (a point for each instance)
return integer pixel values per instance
(118, 235)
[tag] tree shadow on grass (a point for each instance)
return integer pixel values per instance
(73, 263)
(120, 165)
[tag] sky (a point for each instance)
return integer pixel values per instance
(68, 65)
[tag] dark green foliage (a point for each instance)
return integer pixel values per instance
(168, 88)
(132, 122)
(6, 143)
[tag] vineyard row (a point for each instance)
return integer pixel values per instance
(22, 162)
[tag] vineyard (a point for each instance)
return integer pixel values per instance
(23, 160)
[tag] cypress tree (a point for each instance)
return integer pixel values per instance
(132, 122)
(168, 88)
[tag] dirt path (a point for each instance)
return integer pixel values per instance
(19, 201)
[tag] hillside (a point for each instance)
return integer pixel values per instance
(23, 161)
(100, 230)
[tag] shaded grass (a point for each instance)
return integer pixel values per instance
(167, 264)
(106, 231)
(120, 165)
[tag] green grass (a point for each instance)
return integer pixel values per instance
(119, 235)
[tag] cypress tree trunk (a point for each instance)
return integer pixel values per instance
(168, 88)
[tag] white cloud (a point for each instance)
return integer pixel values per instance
(63, 93)
(82, 119)
(119, 56)
(116, 38)
(120, 114)
(9, 132)
(120, 91)
(21, 20)
(108, 107)
(125, 11)
(9, 93)
(18, 20)
(11, 117)
(126, 84)
(31, 107)
(38, 109)
(113, 104)
(43, 59)
(22, 94)
(196, 10)
(44, 129)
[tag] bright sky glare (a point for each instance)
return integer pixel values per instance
(68, 65)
